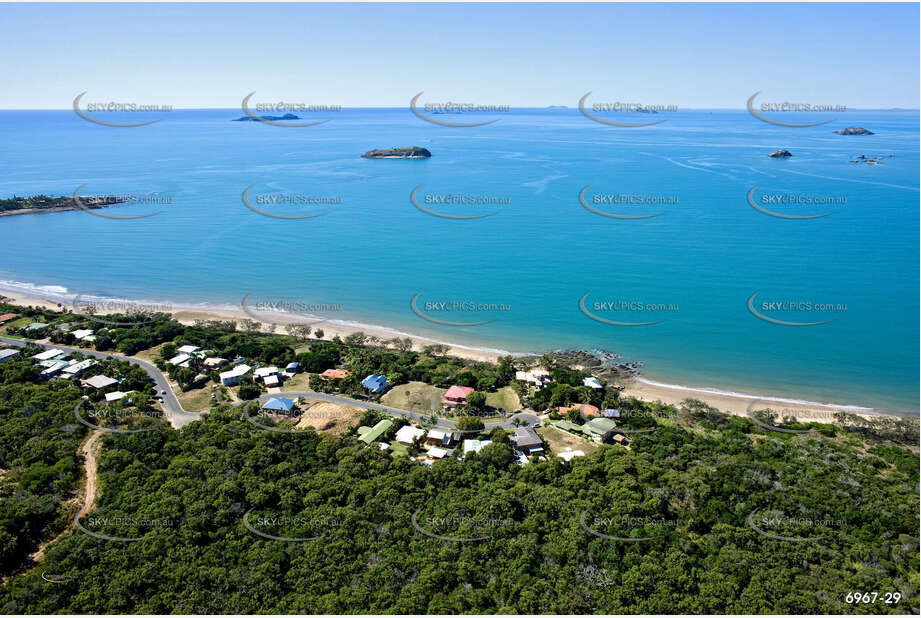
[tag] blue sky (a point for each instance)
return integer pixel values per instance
(690, 55)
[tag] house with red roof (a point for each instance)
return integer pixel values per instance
(456, 396)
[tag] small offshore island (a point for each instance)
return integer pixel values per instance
(781, 154)
(46, 203)
(270, 118)
(854, 131)
(409, 152)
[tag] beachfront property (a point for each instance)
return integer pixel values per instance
(371, 434)
(474, 446)
(35, 326)
(188, 349)
(82, 333)
(229, 378)
(75, 369)
(408, 434)
(585, 410)
(66, 327)
(6, 317)
(442, 437)
(278, 405)
(600, 429)
(456, 396)
(337, 374)
(7, 354)
(592, 383)
(375, 383)
(535, 377)
(99, 381)
(526, 441)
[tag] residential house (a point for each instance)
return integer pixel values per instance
(536, 377)
(438, 453)
(49, 354)
(442, 437)
(188, 349)
(611, 413)
(526, 440)
(117, 396)
(229, 378)
(568, 454)
(99, 381)
(567, 426)
(7, 354)
(474, 446)
(586, 410)
(375, 383)
(6, 317)
(456, 396)
(66, 327)
(278, 405)
(336, 374)
(271, 380)
(180, 359)
(292, 368)
(35, 326)
(75, 369)
(372, 434)
(592, 383)
(214, 362)
(407, 434)
(600, 429)
(82, 333)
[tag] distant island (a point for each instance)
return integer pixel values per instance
(409, 152)
(854, 131)
(46, 203)
(261, 118)
(780, 154)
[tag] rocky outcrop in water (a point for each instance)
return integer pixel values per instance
(780, 154)
(410, 152)
(854, 131)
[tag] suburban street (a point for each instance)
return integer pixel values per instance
(178, 417)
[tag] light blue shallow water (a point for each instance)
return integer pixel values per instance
(539, 254)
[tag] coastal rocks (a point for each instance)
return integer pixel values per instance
(854, 131)
(780, 154)
(869, 160)
(261, 118)
(410, 152)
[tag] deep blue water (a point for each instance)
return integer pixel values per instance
(538, 254)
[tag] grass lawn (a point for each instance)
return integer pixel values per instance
(198, 399)
(559, 440)
(504, 399)
(397, 450)
(17, 323)
(426, 396)
(300, 382)
(150, 354)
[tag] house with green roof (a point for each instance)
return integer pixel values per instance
(371, 434)
(600, 429)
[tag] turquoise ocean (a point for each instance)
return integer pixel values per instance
(691, 269)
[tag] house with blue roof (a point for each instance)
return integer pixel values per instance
(292, 367)
(278, 405)
(375, 383)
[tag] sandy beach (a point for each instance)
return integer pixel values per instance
(641, 388)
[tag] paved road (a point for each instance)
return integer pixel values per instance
(179, 417)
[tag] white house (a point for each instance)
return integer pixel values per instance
(99, 381)
(233, 376)
(82, 333)
(48, 354)
(408, 434)
(116, 396)
(475, 446)
(591, 383)
(188, 349)
(263, 372)
(179, 359)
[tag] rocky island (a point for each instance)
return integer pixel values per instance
(854, 131)
(261, 118)
(780, 154)
(409, 152)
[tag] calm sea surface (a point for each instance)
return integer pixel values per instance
(692, 269)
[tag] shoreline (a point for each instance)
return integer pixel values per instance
(57, 297)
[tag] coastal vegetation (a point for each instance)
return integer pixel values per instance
(45, 203)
